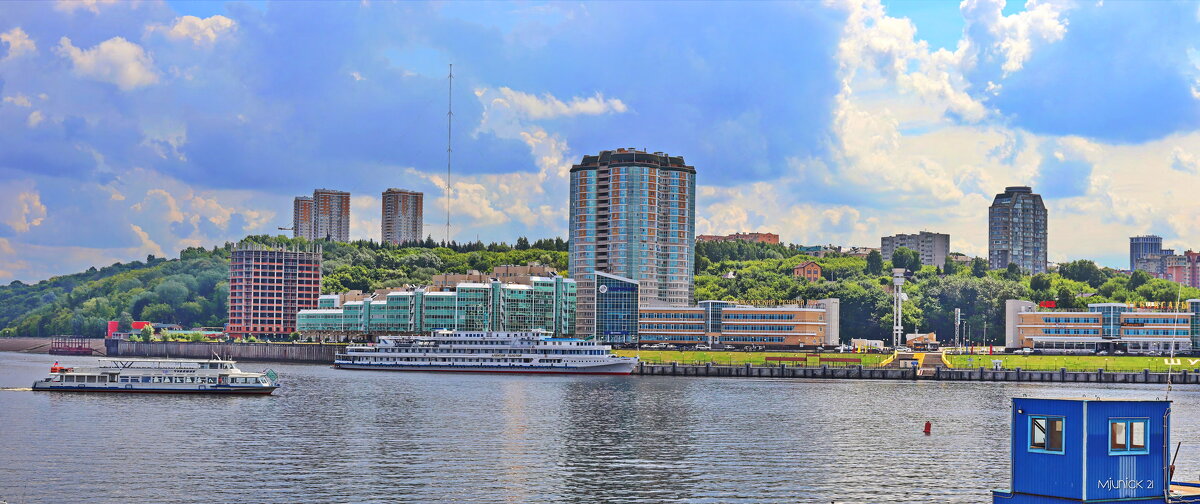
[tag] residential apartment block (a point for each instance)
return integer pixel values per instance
(722, 322)
(331, 215)
(771, 238)
(1017, 230)
(547, 303)
(1103, 326)
(403, 220)
(302, 217)
(933, 247)
(323, 216)
(633, 215)
(267, 286)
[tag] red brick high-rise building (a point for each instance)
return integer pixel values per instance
(267, 286)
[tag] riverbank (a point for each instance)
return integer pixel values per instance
(1177, 377)
(322, 353)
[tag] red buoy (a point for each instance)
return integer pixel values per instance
(928, 427)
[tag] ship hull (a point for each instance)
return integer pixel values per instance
(41, 386)
(617, 368)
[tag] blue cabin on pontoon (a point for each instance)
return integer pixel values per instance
(1092, 450)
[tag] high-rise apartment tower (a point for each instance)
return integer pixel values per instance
(1017, 230)
(632, 214)
(331, 215)
(302, 217)
(402, 216)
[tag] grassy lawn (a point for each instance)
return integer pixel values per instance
(741, 358)
(1073, 362)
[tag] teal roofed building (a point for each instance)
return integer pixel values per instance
(547, 303)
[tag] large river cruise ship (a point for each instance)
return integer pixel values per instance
(159, 375)
(487, 351)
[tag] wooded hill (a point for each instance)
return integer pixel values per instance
(193, 290)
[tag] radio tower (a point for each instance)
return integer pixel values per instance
(449, 122)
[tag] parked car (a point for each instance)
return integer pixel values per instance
(1026, 351)
(1119, 352)
(1102, 352)
(703, 347)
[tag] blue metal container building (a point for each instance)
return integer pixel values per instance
(1092, 450)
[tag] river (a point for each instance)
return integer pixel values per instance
(360, 436)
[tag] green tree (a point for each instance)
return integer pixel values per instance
(172, 292)
(950, 266)
(979, 267)
(1083, 271)
(125, 322)
(1040, 282)
(702, 264)
(159, 312)
(906, 258)
(1065, 298)
(874, 263)
(147, 333)
(1138, 279)
(522, 243)
(1013, 272)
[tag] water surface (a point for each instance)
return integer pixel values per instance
(368, 436)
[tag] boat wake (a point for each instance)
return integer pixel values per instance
(16, 389)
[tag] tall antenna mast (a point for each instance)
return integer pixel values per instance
(449, 123)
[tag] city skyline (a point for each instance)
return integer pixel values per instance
(132, 129)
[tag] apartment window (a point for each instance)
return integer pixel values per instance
(1046, 434)
(1127, 437)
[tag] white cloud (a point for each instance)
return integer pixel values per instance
(70, 6)
(1016, 36)
(35, 118)
(1184, 161)
(21, 206)
(204, 31)
(115, 60)
(547, 106)
(147, 245)
(357, 76)
(18, 42)
(19, 100)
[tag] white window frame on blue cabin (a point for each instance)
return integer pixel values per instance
(1129, 450)
(1029, 434)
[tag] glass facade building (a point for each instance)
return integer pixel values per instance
(1142, 246)
(616, 308)
(1017, 230)
(632, 214)
(548, 303)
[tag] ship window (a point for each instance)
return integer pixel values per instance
(1127, 437)
(1046, 434)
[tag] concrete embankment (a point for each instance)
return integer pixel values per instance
(940, 374)
(284, 352)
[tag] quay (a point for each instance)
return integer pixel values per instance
(322, 353)
(1183, 376)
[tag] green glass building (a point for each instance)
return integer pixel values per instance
(547, 303)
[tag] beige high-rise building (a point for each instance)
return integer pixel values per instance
(633, 215)
(331, 215)
(402, 216)
(302, 217)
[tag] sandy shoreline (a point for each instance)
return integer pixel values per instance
(38, 345)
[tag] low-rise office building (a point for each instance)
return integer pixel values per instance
(548, 303)
(726, 323)
(1102, 327)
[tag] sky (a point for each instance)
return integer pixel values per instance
(143, 127)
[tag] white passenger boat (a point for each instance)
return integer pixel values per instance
(159, 375)
(487, 351)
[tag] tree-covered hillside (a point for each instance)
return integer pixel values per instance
(193, 289)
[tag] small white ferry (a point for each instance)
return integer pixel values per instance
(487, 351)
(159, 375)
